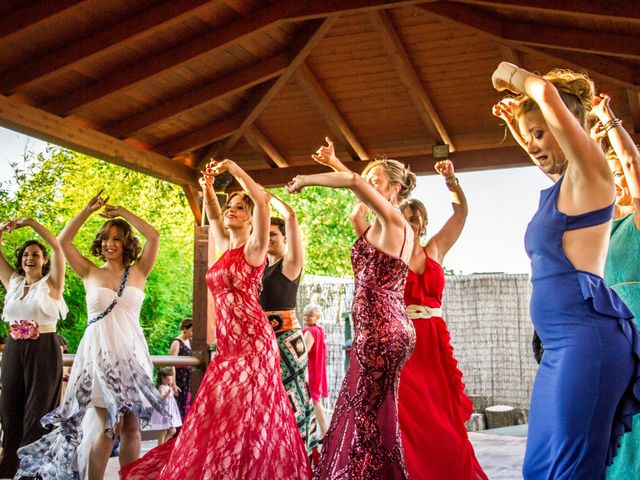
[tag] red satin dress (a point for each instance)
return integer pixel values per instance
(241, 426)
(432, 405)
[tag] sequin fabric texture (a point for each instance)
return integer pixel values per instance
(241, 425)
(363, 441)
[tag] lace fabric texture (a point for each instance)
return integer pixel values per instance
(363, 441)
(241, 425)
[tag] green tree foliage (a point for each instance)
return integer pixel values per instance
(55, 186)
(323, 214)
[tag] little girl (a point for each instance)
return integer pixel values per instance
(166, 425)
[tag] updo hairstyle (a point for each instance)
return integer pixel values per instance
(398, 173)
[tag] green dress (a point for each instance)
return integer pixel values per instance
(622, 273)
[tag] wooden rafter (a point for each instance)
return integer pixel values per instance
(188, 51)
(201, 137)
(101, 43)
(480, 22)
(313, 33)
(409, 77)
(634, 107)
(191, 193)
(330, 7)
(329, 112)
(231, 83)
(564, 38)
(509, 54)
(577, 8)
(32, 13)
(261, 143)
(503, 157)
(45, 126)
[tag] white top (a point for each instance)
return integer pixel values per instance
(36, 306)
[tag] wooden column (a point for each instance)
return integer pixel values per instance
(203, 308)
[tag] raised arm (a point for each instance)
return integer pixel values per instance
(56, 273)
(150, 250)
(326, 155)
(6, 270)
(79, 263)
(625, 149)
(294, 258)
(440, 243)
(256, 246)
(389, 216)
(212, 208)
(587, 168)
(358, 218)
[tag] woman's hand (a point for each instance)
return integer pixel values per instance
(597, 132)
(503, 75)
(296, 184)
(112, 211)
(96, 203)
(504, 109)
(8, 226)
(326, 155)
(445, 168)
(601, 107)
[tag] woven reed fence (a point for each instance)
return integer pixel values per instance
(487, 315)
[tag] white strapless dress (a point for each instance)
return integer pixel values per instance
(112, 370)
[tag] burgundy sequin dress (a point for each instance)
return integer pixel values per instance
(363, 441)
(241, 425)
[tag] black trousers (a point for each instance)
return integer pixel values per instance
(31, 382)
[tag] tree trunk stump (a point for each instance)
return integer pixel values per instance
(499, 416)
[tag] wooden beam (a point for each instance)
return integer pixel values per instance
(217, 88)
(509, 54)
(200, 137)
(261, 143)
(313, 33)
(329, 7)
(634, 108)
(191, 193)
(626, 11)
(472, 160)
(188, 51)
(564, 38)
(31, 14)
(50, 128)
(480, 22)
(329, 112)
(100, 43)
(409, 77)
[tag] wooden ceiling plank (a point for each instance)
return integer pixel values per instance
(329, 112)
(179, 55)
(633, 97)
(328, 7)
(482, 23)
(34, 12)
(311, 37)
(471, 160)
(45, 126)
(201, 137)
(229, 84)
(410, 78)
(580, 8)
(563, 38)
(101, 43)
(255, 137)
(509, 54)
(191, 193)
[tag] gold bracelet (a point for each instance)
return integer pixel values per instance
(452, 181)
(511, 77)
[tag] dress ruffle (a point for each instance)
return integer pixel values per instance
(51, 306)
(607, 302)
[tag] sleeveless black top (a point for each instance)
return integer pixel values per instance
(278, 292)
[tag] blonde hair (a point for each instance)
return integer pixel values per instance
(398, 172)
(246, 200)
(576, 91)
(313, 308)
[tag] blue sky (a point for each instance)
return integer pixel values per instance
(501, 202)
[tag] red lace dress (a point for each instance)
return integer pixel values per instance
(432, 404)
(241, 425)
(363, 440)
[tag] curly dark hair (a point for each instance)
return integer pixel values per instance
(20, 251)
(130, 244)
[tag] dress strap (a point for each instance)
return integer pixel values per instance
(589, 219)
(404, 240)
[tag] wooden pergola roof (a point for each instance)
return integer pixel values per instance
(160, 86)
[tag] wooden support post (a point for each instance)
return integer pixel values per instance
(203, 307)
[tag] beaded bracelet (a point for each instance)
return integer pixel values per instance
(611, 124)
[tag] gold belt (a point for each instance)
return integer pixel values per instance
(416, 312)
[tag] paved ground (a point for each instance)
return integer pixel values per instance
(499, 455)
